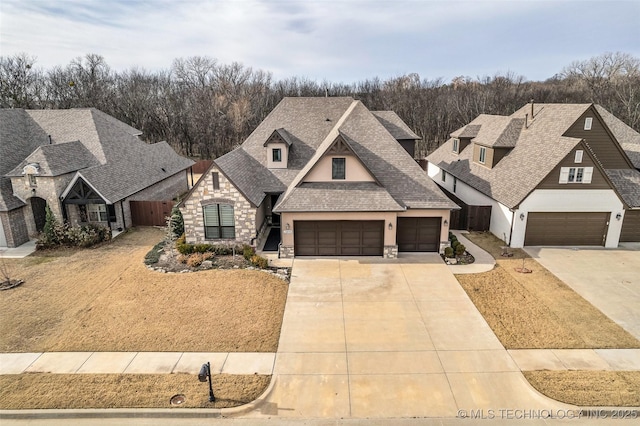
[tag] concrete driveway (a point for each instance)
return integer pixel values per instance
(374, 338)
(608, 279)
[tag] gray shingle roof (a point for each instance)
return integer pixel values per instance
(537, 150)
(19, 137)
(343, 196)
(628, 138)
(107, 151)
(394, 125)
(313, 124)
(492, 130)
(627, 182)
(58, 159)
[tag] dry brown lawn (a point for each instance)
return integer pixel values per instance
(105, 299)
(537, 310)
(589, 388)
(41, 391)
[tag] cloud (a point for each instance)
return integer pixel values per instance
(340, 40)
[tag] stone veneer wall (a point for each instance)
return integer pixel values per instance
(244, 212)
(390, 252)
(48, 188)
(14, 226)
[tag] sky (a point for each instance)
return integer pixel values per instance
(335, 40)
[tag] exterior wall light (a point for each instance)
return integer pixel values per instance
(619, 216)
(446, 222)
(390, 226)
(521, 216)
(288, 226)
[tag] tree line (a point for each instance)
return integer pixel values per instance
(204, 108)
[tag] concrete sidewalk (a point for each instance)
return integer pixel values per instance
(136, 362)
(484, 262)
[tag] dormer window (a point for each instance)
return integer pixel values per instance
(587, 123)
(338, 168)
(276, 155)
(32, 180)
(456, 145)
(483, 155)
(278, 147)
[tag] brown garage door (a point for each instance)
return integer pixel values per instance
(418, 234)
(338, 238)
(631, 227)
(566, 229)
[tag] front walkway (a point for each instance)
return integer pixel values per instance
(18, 252)
(379, 338)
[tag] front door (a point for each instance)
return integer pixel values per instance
(39, 213)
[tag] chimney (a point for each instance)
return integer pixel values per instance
(532, 109)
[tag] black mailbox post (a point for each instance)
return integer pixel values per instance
(205, 372)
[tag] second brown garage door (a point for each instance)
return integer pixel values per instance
(418, 234)
(631, 227)
(338, 238)
(566, 229)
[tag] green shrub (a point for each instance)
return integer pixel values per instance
(451, 235)
(455, 244)
(248, 252)
(202, 248)
(448, 252)
(460, 249)
(259, 262)
(154, 254)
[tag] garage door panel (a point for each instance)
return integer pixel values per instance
(418, 234)
(566, 228)
(631, 227)
(338, 238)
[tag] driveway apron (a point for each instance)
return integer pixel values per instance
(366, 337)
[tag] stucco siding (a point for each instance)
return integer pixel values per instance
(354, 170)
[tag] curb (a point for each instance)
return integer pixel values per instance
(129, 413)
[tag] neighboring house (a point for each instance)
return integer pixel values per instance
(84, 164)
(552, 174)
(325, 176)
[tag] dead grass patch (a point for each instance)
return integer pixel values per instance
(537, 310)
(68, 391)
(589, 388)
(105, 299)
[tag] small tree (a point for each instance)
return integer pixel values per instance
(49, 235)
(177, 222)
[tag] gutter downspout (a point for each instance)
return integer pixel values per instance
(513, 221)
(124, 221)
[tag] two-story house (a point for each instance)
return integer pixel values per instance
(552, 174)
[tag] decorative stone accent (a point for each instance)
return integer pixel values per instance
(443, 245)
(390, 252)
(286, 252)
(192, 210)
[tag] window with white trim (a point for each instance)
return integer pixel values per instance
(588, 122)
(578, 158)
(276, 155)
(456, 144)
(97, 212)
(338, 168)
(483, 154)
(576, 174)
(219, 222)
(32, 180)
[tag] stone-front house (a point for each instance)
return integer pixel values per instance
(321, 177)
(84, 164)
(552, 174)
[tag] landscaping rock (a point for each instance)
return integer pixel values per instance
(207, 264)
